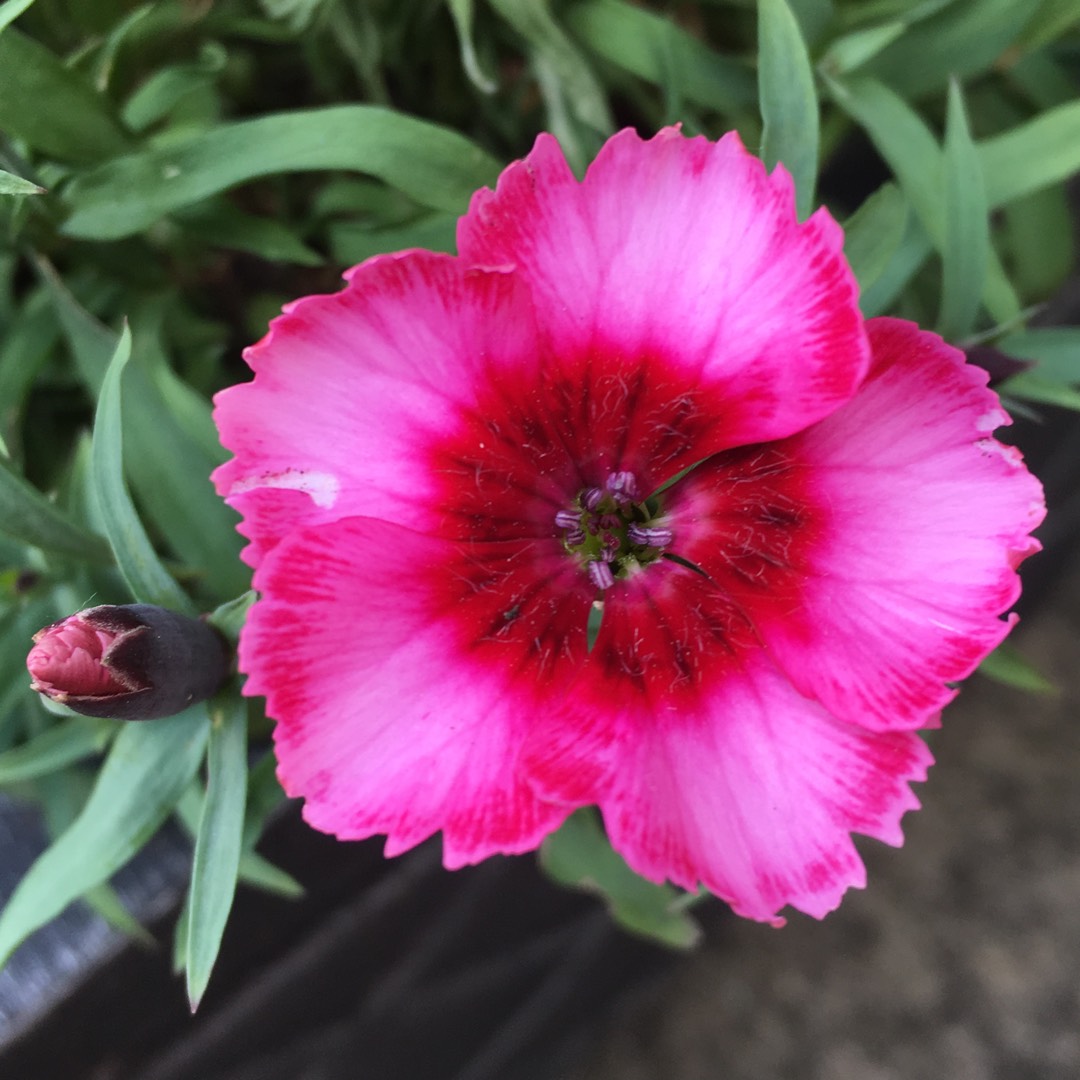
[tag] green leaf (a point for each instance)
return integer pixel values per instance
(580, 856)
(352, 242)
(789, 108)
(1056, 349)
(218, 224)
(1005, 665)
(228, 618)
(874, 232)
(1038, 231)
(462, 12)
(52, 108)
(10, 184)
(26, 515)
(915, 248)
(56, 747)
(966, 251)
(171, 87)
(534, 21)
(1052, 19)
(1031, 386)
(436, 166)
(962, 39)
(218, 845)
(150, 764)
(656, 49)
(262, 874)
(10, 10)
(1042, 152)
(853, 50)
(148, 580)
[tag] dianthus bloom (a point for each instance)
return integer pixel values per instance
(648, 394)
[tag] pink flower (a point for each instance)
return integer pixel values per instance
(443, 468)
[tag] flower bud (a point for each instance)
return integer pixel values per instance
(129, 662)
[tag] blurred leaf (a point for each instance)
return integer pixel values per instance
(903, 139)
(169, 461)
(789, 108)
(462, 12)
(873, 233)
(218, 224)
(52, 108)
(580, 856)
(534, 21)
(656, 49)
(228, 618)
(1005, 665)
(853, 50)
(150, 583)
(436, 166)
(915, 248)
(351, 242)
(814, 18)
(966, 251)
(26, 515)
(1039, 232)
(10, 10)
(1034, 155)
(962, 39)
(297, 13)
(217, 846)
(1052, 18)
(261, 874)
(1055, 349)
(57, 746)
(148, 767)
(1031, 386)
(10, 184)
(166, 89)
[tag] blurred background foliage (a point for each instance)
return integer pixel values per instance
(187, 166)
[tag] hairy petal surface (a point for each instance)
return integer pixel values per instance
(875, 552)
(351, 390)
(404, 676)
(688, 250)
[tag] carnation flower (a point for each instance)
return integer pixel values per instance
(646, 396)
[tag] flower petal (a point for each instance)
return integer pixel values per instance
(404, 673)
(755, 796)
(352, 389)
(687, 250)
(874, 552)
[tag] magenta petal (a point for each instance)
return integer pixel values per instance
(372, 646)
(875, 552)
(755, 796)
(352, 389)
(688, 250)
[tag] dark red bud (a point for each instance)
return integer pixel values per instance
(128, 662)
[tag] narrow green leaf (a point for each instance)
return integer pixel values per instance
(462, 12)
(1056, 349)
(853, 50)
(656, 49)
(105, 900)
(1051, 19)
(219, 224)
(1031, 386)
(26, 515)
(135, 555)
(10, 184)
(56, 747)
(51, 107)
(436, 166)
(352, 242)
(171, 87)
(963, 39)
(914, 250)
(10, 10)
(789, 107)
(586, 97)
(217, 847)
(1038, 232)
(262, 874)
(874, 232)
(148, 767)
(1005, 665)
(580, 856)
(966, 251)
(1042, 152)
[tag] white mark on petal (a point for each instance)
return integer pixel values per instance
(321, 487)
